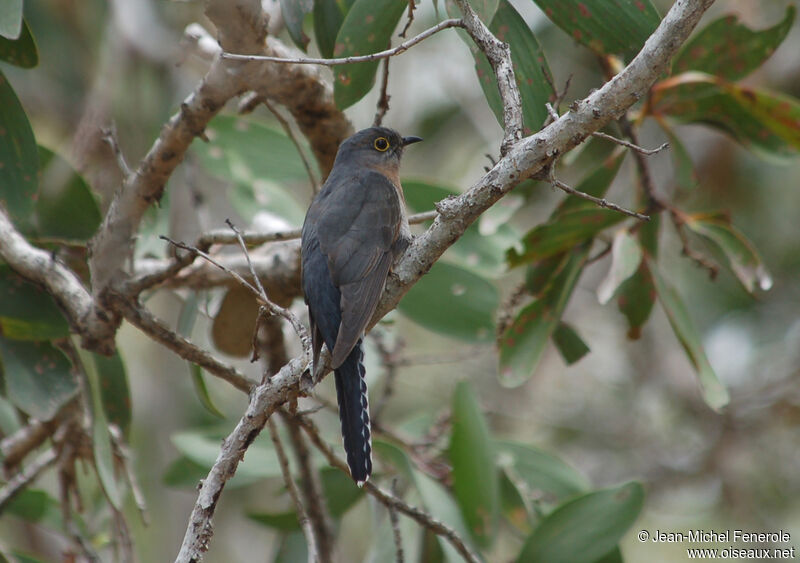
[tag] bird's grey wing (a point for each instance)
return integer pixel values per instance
(356, 232)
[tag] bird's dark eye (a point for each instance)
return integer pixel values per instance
(381, 144)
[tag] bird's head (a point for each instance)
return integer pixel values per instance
(376, 147)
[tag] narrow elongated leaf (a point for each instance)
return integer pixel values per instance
(328, 18)
(37, 376)
(32, 505)
(453, 301)
(685, 173)
(366, 29)
(294, 11)
(626, 255)
(607, 27)
(540, 470)
(19, 159)
(714, 392)
(742, 257)
(586, 528)
(523, 342)
(637, 295)
(758, 119)
(66, 208)
(485, 9)
(729, 49)
(563, 233)
(22, 51)
(569, 344)
(101, 439)
(10, 18)
(475, 478)
(530, 68)
(27, 312)
(114, 391)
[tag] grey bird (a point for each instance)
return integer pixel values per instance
(354, 230)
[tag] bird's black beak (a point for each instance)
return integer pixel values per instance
(411, 140)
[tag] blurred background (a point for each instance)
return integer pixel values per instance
(630, 409)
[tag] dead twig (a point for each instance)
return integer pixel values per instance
(383, 100)
(289, 133)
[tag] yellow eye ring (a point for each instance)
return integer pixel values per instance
(381, 144)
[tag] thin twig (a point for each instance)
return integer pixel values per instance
(305, 523)
(288, 129)
(680, 223)
(388, 499)
(637, 148)
(140, 317)
(123, 454)
(383, 100)
(27, 476)
(395, 521)
(596, 200)
(412, 5)
(110, 137)
(389, 357)
(249, 103)
(403, 47)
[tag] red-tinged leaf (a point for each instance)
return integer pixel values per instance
(763, 121)
(585, 528)
(22, 51)
(294, 11)
(607, 27)
(366, 29)
(569, 344)
(563, 233)
(114, 390)
(523, 342)
(475, 477)
(739, 252)
(530, 68)
(730, 49)
(637, 295)
(19, 160)
(626, 255)
(685, 173)
(714, 392)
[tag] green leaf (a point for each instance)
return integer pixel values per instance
(730, 49)
(26, 311)
(539, 470)
(32, 505)
(114, 391)
(766, 122)
(483, 254)
(530, 68)
(262, 164)
(523, 342)
(66, 208)
(586, 528)
(563, 233)
(435, 498)
(293, 548)
(595, 184)
(485, 9)
(101, 439)
(202, 447)
(18, 157)
(739, 252)
(10, 18)
(9, 417)
(626, 255)
(453, 301)
(569, 344)
(475, 478)
(637, 295)
(328, 18)
(294, 11)
(685, 173)
(38, 377)
(183, 472)
(714, 392)
(340, 495)
(607, 27)
(22, 51)
(366, 29)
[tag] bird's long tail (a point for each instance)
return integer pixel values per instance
(351, 391)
